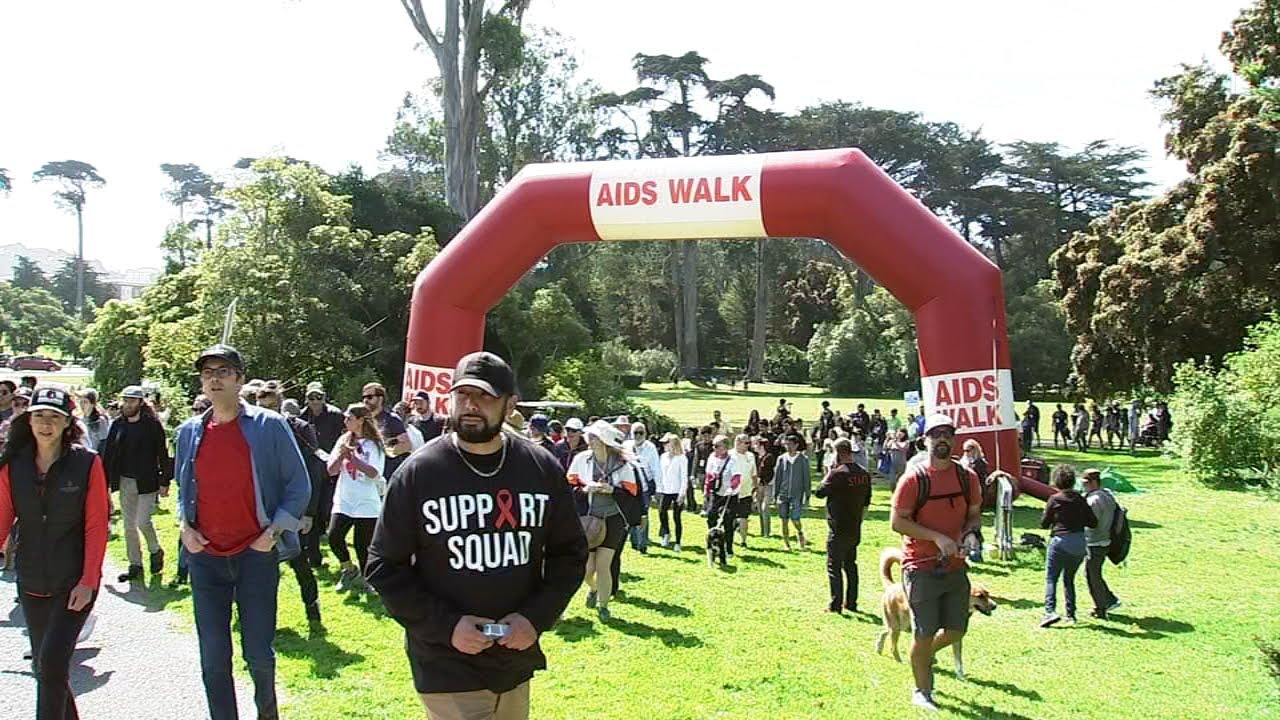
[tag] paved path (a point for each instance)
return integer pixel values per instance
(136, 665)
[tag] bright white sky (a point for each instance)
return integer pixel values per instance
(127, 86)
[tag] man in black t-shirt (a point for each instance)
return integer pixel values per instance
(424, 417)
(847, 489)
(477, 553)
(395, 436)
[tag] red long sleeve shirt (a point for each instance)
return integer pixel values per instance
(95, 521)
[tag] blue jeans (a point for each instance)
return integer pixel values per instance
(1066, 552)
(251, 579)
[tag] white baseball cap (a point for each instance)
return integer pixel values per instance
(938, 420)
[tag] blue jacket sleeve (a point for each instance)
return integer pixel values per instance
(292, 473)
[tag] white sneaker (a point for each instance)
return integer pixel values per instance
(665, 541)
(923, 700)
(87, 629)
(676, 548)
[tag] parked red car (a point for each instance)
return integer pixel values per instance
(33, 362)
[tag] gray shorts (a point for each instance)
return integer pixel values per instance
(790, 508)
(937, 602)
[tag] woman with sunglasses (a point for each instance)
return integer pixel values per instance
(57, 490)
(357, 460)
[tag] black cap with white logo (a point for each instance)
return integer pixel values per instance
(486, 371)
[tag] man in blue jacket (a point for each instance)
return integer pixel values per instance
(242, 492)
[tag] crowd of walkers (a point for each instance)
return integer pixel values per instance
(474, 529)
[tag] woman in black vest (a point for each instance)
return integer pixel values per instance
(57, 490)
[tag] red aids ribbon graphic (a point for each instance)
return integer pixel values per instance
(504, 509)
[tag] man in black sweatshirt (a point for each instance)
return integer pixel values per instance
(478, 551)
(847, 489)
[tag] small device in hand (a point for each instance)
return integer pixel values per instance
(495, 631)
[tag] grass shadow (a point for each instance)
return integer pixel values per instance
(673, 556)
(1145, 525)
(1149, 628)
(988, 569)
(657, 606)
(629, 577)
(757, 560)
(371, 604)
(1018, 603)
(1006, 688)
(326, 658)
(669, 636)
(575, 629)
(964, 708)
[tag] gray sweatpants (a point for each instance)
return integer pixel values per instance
(137, 509)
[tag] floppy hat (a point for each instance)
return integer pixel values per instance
(608, 434)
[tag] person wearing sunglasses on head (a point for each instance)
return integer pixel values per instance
(394, 432)
(57, 490)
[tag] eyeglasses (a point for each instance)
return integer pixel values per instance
(222, 373)
(316, 396)
(372, 396)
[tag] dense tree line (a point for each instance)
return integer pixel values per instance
(1099, 280)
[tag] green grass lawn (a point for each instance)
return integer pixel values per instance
(690, 642)
(693, 406)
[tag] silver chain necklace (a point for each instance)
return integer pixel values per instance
(463, 456)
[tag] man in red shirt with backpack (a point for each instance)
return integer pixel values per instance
(937, 507)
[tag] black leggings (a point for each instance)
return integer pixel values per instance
(669, 501)
(339, 524)
(53, 629)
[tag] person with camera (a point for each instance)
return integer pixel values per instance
(477, 553)
(57, 489)
(937, 508)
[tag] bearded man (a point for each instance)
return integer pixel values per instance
(477, 553)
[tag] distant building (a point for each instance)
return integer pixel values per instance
(130, 283)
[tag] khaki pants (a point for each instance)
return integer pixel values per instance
(137, 510)
(479, 705)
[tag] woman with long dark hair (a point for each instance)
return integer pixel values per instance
(1068, 514)
(357, 460)
(57, 490)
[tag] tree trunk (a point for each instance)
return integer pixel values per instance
(457, 55)
(689, 306)
(997, 248)
(677, 306)
(80, 263)
(755, 365)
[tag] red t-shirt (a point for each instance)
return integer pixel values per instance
(226, 508)
(946, 516)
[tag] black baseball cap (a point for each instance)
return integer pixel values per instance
(486, 371)
(221, 352)
(422, 395)
(51, 398)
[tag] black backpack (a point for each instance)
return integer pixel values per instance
(1121, 535)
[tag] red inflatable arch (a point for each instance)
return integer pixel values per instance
(838, 195)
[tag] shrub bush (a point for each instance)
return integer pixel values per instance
(654, 364)
(786, 364)
(584, 378)
(1227, 422)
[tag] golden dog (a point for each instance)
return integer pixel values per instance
(897, 613)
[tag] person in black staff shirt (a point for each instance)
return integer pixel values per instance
(477, 529)
(424, 417)
(327, 421)
(135, 456)
(847, 489)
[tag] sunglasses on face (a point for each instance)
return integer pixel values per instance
(315, 397)
(372, 396)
